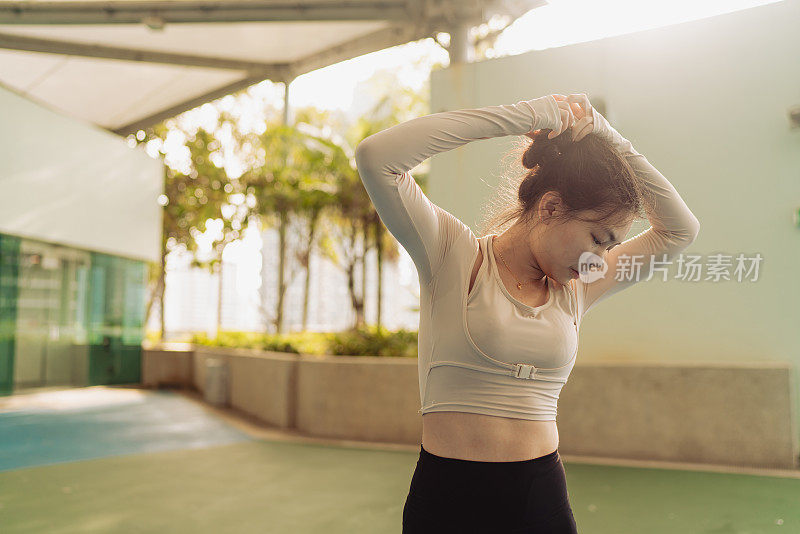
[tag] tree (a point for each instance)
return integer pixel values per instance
(398, 103)
(287, 179)
(228, 217)
(189, 201)
(317, 195)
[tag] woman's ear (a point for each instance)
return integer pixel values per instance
(550, 206)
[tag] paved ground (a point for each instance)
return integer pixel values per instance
(102, 460)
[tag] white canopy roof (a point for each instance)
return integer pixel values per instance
(126, 65)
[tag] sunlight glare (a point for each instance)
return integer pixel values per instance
(564, 22)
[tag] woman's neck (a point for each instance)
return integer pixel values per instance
(513, 244)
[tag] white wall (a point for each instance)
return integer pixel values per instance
(68, 182)
(706, 102)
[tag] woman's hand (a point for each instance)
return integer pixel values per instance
(566, 115)
(575, 113)
(582, 110)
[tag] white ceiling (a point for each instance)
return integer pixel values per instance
(255, 41)
(107, 93)
(93, 61)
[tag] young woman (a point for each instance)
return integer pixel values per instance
(500, 314)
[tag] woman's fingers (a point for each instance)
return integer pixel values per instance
(577, 110)
(582, 128)
(581, 100)
(567, 120)
(581, 123)
(575, 113)
(565, 123)
(585, 123)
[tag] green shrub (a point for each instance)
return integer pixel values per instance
(373, 341)
(363, 341)
(248, 340)
(279, 343)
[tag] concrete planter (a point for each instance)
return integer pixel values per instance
(729, 414)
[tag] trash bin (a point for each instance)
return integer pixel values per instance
(216, 387)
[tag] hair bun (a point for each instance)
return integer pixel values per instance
(541, 150)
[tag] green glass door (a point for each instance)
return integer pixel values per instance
(116, 319)
(50, 334)
(9, 273)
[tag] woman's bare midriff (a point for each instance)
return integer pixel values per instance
(487, 438)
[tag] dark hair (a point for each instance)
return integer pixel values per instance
(589, 175)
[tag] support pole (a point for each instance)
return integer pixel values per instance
(460, 49)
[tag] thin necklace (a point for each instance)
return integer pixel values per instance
(519, 284)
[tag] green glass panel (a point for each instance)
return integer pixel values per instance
(116, 319)
(97, 296)
(135, 297)
(9, 292)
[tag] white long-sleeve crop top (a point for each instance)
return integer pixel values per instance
(484, 351)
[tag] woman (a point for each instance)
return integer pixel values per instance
(500, 314)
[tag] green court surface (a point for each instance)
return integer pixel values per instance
(263, 486)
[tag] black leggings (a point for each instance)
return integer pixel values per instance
(467, 496)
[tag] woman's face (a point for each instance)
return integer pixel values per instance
(558, 245)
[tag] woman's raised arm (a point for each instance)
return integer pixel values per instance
(384, 160)
(673, 225)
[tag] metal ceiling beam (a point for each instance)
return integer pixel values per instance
(371, 42)
(157, 13)
(361, 45)
(68, 48)
(171, 12)
(378, 40)
(177, 109)
(429, 18)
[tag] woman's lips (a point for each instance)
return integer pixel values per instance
(575, 273)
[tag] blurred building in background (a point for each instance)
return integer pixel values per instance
(79, 219)
(249, 294)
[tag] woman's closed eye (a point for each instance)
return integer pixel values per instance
(596, 242)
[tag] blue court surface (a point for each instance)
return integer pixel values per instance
(82, 424)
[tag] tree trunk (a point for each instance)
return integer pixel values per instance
(305, 297)
(219, 297)
(379, 269)
(156, 296)
(307, 284)
(364, 248)
(281, 273)
(152, 295)
(351, 282)
(350, 268)
(163, 285)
